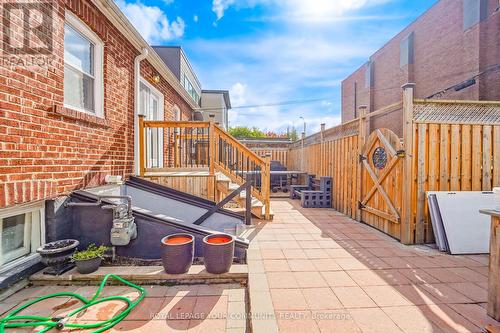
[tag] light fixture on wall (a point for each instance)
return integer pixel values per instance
(155, 79)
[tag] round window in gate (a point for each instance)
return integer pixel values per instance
(379, 158)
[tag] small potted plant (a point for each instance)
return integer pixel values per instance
(177, 252)
(218, 253)
(89, 260)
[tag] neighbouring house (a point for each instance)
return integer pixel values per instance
(175, 58)
(69, 105)
(212, 102)
(451, 51)
(216, 103)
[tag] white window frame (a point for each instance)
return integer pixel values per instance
(161, 116)
(34, 233)
(85, 31)
(161, 109)
(177, 113)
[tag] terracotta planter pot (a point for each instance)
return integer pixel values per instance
(88, 266)
(218, 253)
(177, 253)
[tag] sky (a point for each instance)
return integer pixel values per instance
(279, 59)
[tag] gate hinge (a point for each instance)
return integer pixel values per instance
(361, 158)
(401, 153)
(360, 205)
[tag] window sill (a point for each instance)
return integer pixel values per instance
(79, 115)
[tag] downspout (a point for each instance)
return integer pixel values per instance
(137, 82)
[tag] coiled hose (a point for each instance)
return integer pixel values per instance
(13, 321)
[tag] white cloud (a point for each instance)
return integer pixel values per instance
(151, 22)
(303, 9)
(267, 68)
(293, 62)
(219, 6)
(195, 18)
(237, 93)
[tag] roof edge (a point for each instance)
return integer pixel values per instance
(111, 10)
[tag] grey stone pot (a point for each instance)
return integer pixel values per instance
(57, 255)
(218, 253)
(177, 258)
(88, 266)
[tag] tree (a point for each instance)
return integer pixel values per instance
(291, 133)
(241, 132)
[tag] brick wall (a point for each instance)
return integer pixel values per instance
(444, 54)
(47, 150)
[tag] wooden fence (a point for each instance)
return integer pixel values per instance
(446, 145)
(453, 152)
(332, 158)
(276, 148)
(276, 154)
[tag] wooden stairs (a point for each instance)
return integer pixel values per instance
(225, 186)
(199, 145)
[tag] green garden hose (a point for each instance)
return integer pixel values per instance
(13, 321)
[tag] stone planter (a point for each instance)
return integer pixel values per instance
(177, 252)
(88, 266)
(218, 253)
(57, 255)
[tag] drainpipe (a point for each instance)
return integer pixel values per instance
(137, 81)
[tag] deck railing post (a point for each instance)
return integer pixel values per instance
(211, 158)
(211, 144)
(361, 143)
(407, 216)
(322, 151)
(302, 152)
(266, 185)
(142, 152)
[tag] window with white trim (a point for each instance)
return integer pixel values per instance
(83, 67)
(190, 89)
(21, 232)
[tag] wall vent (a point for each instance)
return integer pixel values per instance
(369, 74)
(406, 50)
(474, 11)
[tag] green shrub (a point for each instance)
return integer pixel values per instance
(90, 252)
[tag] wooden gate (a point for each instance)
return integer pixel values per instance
(382, 181)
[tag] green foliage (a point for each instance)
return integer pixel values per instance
(241, 132)
(292, 134)
(90, 252)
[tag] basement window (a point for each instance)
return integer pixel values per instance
(21, 233)
(83, 67)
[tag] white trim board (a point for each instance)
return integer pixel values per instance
(465, 229)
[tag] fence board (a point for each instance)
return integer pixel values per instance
(496, 156)
(466, 159)
(486, 185)
(476, 158)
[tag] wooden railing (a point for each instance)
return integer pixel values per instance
(181, 145)
(239, 163)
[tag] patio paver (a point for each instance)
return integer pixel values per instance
(349, 277)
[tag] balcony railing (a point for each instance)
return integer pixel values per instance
(180, 145)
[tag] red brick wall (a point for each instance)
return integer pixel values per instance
(444, 55)
(46, 150)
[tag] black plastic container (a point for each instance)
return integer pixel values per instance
(218, 253)
(88, 265)
(177, 252)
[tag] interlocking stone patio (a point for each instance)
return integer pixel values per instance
(320, 271)
(183, 308)
(309, 270)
